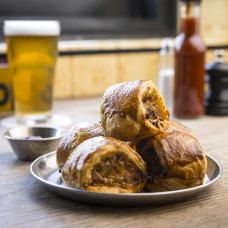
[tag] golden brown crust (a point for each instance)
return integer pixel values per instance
(76, 135)
(176, 126)
(133, 111)
(175, 159)
(105, 164)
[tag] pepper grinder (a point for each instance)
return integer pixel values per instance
(216, 98)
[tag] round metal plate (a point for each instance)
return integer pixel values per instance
(45, 170)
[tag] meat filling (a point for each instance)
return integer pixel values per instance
(153, 113)
(117, 171)
(154, 166)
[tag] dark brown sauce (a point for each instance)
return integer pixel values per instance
(189, 70)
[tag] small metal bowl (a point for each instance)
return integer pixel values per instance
(29, 143)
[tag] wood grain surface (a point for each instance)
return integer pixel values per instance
(90, 75)
(24, 202)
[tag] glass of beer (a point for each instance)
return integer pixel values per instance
(32, 52)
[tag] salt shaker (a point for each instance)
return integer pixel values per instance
(166, 72)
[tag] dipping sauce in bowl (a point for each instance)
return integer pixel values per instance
(28, 143)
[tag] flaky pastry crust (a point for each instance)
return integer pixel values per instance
(133, 111)
(76, 135)
(104, 164)
(175, 159)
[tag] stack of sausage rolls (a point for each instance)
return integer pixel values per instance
(135, 148)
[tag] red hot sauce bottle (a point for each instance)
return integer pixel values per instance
(189, 63)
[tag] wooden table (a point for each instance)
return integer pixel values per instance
(25, 203)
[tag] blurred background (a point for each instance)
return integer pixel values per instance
(99, 18)
(106, 42)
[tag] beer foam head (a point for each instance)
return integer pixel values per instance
(31, 28)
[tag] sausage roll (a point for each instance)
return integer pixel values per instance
(175, 159)
(104, 164)
(76, 135)
(133, 111)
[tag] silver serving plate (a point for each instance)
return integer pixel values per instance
(45, 170)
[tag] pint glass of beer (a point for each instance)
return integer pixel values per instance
(32, 52)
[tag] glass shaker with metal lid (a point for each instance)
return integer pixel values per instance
(166, 72)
